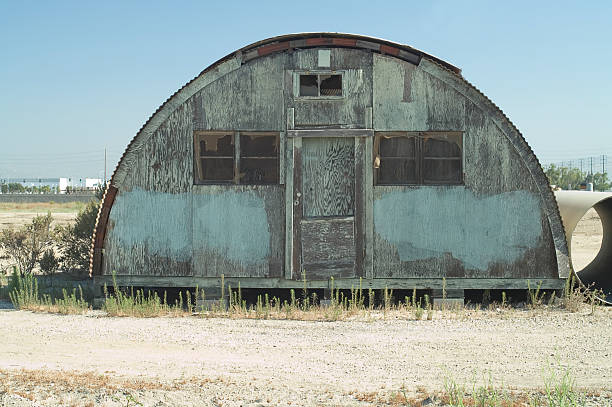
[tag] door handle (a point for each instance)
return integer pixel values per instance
(297, 199)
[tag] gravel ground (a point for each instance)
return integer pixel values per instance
(230, 362)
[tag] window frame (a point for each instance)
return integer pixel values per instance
(318, 72)
(238, 155)
(419, 156)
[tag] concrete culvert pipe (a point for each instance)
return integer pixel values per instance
(573, 205)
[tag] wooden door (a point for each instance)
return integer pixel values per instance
(328, 192)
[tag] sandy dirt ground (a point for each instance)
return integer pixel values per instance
(213, 362)
(94, 360)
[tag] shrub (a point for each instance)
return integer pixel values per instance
(74, 241)
(26, 244)
(49, 263)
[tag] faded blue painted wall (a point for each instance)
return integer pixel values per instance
(232, 224)
(177, 228)
(429, 222)
(159, 221)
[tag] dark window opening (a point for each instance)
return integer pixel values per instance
(216, 162)
(309, 85)
(321, 85)
(429, 158)
(330, 85)
(259, 158)
(215, 157)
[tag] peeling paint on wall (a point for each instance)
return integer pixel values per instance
(233, 224)
(432, 221)
(155, 219)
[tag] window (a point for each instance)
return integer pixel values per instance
(217, 161)
(427, 158)
(320, 85)
(259, 162)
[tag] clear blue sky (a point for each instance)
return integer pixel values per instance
(79, 76)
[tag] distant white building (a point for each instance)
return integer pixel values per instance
(56, 184)
(92, 183)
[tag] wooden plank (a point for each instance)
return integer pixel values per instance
(296, 255)
(331, 133)
(282, 157)
(359, 207)
(328, 176)
(369, 209)
(289, 209)
(236, 157)
(290, 118)
(342, 283)
(328, 243)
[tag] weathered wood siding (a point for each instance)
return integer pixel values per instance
(496, 225)
(149, 227)
(328, 177)
(163, 225)
(493, 226)
(249, 98)
(348, 111)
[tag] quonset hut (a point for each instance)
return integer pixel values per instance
(333, 155)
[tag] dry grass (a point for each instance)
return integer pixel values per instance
(42, 207)
(31, 381)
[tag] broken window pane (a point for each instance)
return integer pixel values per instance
(418, 158)
(259, 158)
(442, 146)
(217, 145)
(259, 171)
(440, 170)
(309, 85)
(397, 171)
(330, 85)
(397, 146)
(254, 145)
(217, 169)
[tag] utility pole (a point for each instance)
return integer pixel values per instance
(581, 160)
(591, 165)
(603, 164)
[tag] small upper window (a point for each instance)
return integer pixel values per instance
(321, 85)
(428, 158)
(215, 155)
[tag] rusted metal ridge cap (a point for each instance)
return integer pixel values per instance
(322, 39)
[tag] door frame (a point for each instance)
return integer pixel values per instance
(294, 202)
